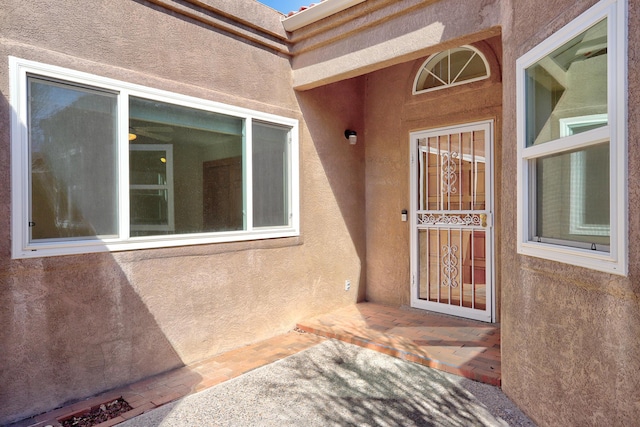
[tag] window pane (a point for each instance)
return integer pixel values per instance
(450, 67)
(458, 59)
(441, 70)
(270, 175)
(572, 198)
(149, 210)
(435, 73)
(147, 167)
(474, 69)
(191, 164)
(428, 81)
(151, 188)
(570, 82)
(73, 170)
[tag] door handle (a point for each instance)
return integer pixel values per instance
(483, 220)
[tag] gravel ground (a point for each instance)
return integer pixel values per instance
(339, 384)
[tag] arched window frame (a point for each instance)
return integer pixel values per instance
(437, 57)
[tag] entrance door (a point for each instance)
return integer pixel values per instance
(451, 221)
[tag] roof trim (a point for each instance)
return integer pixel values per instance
(316, 13)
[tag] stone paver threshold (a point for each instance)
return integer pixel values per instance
(458, 346)
(462, 347)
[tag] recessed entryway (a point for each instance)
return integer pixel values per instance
(452, 221)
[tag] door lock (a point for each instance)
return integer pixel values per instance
(483, 220)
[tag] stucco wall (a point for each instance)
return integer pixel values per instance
(328, 112)
(377, 34)
(569, 335)
(392, 112)
(73, 326)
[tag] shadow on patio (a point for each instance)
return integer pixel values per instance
(467, 348)
(463, 347)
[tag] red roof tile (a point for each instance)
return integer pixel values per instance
(293, 12)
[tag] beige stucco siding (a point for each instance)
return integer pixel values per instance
(392, 112)
(569, 335)
(72, 326)
(380, 33)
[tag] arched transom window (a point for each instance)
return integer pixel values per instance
(451, 67)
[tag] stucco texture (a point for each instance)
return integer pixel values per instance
(72, 326)
(76, 325)
(569, 335)
(377, 34)
(392, 112)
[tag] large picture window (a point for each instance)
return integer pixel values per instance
(102, 165)
(572, 143)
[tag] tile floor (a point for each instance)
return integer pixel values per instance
(458, 346)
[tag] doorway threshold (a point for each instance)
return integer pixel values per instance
(458, 346)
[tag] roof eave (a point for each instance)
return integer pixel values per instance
(316, 13)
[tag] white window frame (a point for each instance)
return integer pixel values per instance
(615, 259)
(21, 246)
(168, 187)
(453, 80)
(577, 209)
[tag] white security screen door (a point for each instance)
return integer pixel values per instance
(452, 222)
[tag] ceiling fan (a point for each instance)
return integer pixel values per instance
(161, 133)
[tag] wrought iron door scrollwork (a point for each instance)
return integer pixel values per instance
(450, 266)
(448, 173)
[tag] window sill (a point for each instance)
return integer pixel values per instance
(230, 242)
(594, 260)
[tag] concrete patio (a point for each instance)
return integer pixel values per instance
(466, 348)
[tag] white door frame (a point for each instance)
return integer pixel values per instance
(488, 315)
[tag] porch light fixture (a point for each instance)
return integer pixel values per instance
(352, 136)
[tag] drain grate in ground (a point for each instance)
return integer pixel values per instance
(98, 414)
